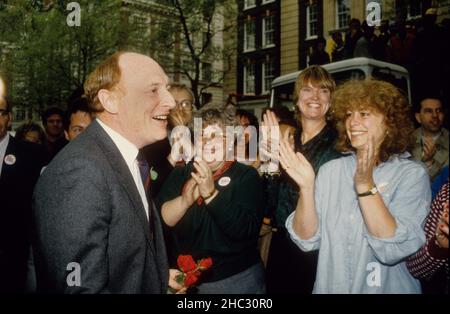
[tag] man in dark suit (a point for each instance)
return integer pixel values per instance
(95, 229)
(20, 166)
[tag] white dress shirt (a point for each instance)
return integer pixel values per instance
(129, 153)
(3, 145)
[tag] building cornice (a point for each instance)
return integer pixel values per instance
(150, 6)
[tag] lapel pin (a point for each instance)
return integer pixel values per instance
(153, 174)
(224, 181)
(10, 159)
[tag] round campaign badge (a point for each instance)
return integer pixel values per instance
(10, 159)
(224, 181)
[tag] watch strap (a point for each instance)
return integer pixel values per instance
(373, 190)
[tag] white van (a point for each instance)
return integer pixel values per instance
(356, 68)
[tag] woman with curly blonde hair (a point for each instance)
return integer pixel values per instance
(364, 211)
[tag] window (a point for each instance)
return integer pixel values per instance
(284, 96)
(268, 29)
(268, 74)
(142, 23)
(187, 67)
(311, 20)
(343, 76)
(206, 72)
(249, 79)
(267, 1)
(385, 74)
(206, 98)
(414, 9)
(19, 114)
(249, 35)
(342, 13)
(249, 4)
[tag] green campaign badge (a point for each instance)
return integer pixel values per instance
(153, 174)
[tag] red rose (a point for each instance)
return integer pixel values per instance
(191, 270)
(186, 263)
(190, 279)
(197, 273)
(205, 263)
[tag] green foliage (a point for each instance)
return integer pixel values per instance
(189, 33)
(45, 60)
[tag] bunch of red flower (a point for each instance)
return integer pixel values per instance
(190, 270)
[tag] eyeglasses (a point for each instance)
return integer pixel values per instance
(4, 112)
(185, 104)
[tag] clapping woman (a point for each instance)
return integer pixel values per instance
(214, 208)
(364, 211)
(315, 137)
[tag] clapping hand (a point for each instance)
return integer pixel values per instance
(181, 145)
(203, 178)
(178, 118)
(442, 229)
(190, 193)
(270, 136)
(429, 149)
(365, 164)
(296, 166)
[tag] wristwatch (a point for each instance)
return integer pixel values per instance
(372, 191)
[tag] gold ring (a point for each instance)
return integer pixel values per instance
(439, 235)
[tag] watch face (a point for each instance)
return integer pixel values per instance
(374, 190)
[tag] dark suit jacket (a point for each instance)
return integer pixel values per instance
(16, 187)
(87, 210)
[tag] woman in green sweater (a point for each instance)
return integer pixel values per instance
(214, 207)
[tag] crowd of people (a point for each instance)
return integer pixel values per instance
(418, 45)
(337, 199)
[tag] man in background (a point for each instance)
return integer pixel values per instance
(431, 138)
(52, 120)
(77, 119)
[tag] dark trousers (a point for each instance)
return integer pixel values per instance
(13, 271)
(289, 270)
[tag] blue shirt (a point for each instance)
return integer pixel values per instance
(350, 259)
